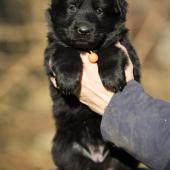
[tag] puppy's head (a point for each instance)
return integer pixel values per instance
(85, 24)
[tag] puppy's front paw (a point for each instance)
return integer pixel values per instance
(66, 66)
(113, 80)
(68, 83)
(112, 62)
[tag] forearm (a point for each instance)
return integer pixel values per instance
(138, 123)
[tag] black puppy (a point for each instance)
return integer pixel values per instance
(77, 26)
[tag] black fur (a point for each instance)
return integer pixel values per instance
(76, 26)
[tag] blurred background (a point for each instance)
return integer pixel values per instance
(26, 124)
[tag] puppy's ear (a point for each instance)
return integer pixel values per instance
(49, 19)
(121, 8)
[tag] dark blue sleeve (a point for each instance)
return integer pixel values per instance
(140, 124)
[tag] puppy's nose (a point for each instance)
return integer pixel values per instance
(84, 29)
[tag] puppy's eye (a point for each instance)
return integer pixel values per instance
(116, 10)
(72, 8)
(99, 11)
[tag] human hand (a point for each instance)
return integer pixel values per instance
(93, 93)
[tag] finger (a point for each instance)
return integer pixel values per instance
(84, 57)
(123, 48)
(53, 82)
(129, 67)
